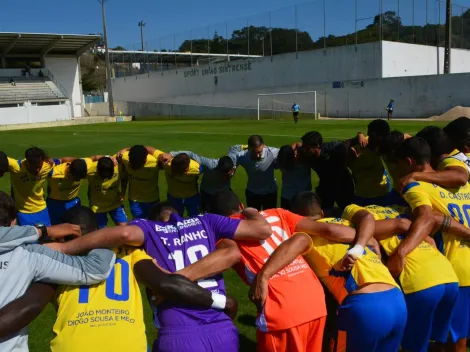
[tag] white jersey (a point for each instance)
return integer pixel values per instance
(462, 157)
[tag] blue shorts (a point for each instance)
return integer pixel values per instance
(191, 204)
(41, 217)
(213, 337)
(372, 322)
(57, 208)
(460, 323)
(140, 210)
(118, 215)
(429, 316)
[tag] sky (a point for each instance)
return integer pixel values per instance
(165, 18)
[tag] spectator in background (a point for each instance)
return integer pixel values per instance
(390, 107)
(12, 81)
(41, 74)
(295, 112)
(26, 70)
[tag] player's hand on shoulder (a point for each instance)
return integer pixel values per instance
(405, 181)
(348, 262)
(362, 139)
(64, 230)
(165, 158)
(231, 307)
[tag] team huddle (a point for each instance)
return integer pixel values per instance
(376, 259)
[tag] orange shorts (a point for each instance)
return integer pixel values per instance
(301, 338)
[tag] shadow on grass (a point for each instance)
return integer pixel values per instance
(247, 319)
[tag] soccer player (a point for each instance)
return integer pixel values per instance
(109, 314)
(370, 176)
(390, 107)
(27, 178)
(328, 160)
(302, 328)
(182, 174)
(216, 177)
(355, 276)
(140, 167)
(414, 155)
(176, 244)
(296, 174)
(22, 265)
(450, 163)
(104, 177)
(428, 281)
(259, 162)
(64, 185)
(295, 111)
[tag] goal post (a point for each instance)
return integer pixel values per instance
(281, 103)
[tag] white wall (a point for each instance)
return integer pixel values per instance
(65, 70)
(34, 114)
(401, 59)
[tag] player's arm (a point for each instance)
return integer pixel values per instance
(285, 254)
(109, 237)
(66, 159)
(224, 257)
(176, 288)
(334, 232)
(391, 227)
(447, 224)
(451, 177)
(254, 227)
(17, 314)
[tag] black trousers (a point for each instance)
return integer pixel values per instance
(285, 203)
(336, 186)
(261, 201)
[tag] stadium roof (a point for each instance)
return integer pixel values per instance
(167, 56)
(39, 44)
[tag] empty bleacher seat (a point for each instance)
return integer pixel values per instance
(32, 89)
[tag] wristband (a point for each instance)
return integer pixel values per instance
(357, 251)
(218, 301)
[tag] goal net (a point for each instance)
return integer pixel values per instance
(279, 105)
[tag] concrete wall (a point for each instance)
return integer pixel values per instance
(349, 83)
(65, 70)
(34, 114)
(401, 59)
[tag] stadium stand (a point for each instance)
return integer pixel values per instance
(33, 89)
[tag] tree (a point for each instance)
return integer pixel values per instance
(119, 48)
(93, 70)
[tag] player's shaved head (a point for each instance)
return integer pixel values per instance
(225, 203)
(35, 157)
(137, 157)
(105, 167)
(180, 164)
(438, 141)
(3, 163)
(312, 139)
(459, 133)
(78, 169)
(83, 217)
(415, 148)
(286, 157)
(161, 212)
(306, 204)
(255, 141)
(7, 210)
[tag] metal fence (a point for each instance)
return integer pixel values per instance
(319, 24)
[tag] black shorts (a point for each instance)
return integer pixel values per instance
(295, 113)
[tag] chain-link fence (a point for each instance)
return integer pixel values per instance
(314, 25)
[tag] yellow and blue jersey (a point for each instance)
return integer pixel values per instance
(61, 185)
(450, 202)
(104, 317)
(425, 266)
(143, 183)
(183, 186)
(104, 195)
(370, 175)
(28, 189)
(325, 258)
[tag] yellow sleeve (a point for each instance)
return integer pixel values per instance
(88, 162)
(451, 162)
(58, 171)
(310, 239)
(157, 153)
(416, 196)
(13, 165)
(350, 211)
(194, 169)
(138, 255)
(244, 147)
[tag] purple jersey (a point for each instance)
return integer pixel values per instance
(178, 243)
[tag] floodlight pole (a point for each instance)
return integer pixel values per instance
(448, 39)
(141, 24)
(108, 66)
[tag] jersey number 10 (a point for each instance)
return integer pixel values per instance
(84, 293)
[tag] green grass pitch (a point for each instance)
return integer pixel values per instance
(207, 138)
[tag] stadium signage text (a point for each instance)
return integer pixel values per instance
(214, 70)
